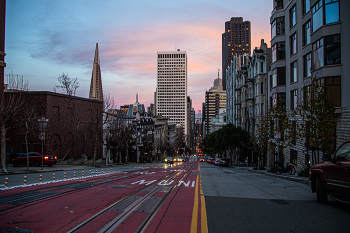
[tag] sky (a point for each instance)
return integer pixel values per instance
(46, 38)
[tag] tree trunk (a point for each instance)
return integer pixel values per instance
(95, 150)
(3, 148)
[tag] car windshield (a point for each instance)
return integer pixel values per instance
(343, 153)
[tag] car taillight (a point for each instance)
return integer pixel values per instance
(46, 157)
(55, 157)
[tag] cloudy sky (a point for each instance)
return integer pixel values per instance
(45, 38)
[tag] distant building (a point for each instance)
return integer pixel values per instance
(136, 107)
(96, 81)
(171, 101)
(236, 40)
(215, 99)
(218, 121)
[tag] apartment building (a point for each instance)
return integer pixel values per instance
(171, 96)
(309, 39)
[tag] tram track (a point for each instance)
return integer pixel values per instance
(132, 203)
(47, 193)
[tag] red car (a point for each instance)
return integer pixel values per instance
(332, 176)
(34, 159)
(201, 160)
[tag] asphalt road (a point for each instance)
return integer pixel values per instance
(243, 201)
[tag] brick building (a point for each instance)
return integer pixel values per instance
(71, 128)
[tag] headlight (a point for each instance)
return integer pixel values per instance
(166, 160)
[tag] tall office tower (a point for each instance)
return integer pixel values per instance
(236, 40)
(172, 86)
(96, 81)
(215, 99)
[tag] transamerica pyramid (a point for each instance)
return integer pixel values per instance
(96, 81)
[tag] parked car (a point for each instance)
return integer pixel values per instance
(211, 160)
(35, 159)
(216, 161)
(224, 162)
(332, 176)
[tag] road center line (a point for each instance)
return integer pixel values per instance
(194, 221)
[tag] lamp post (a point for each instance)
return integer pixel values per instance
(42, 130)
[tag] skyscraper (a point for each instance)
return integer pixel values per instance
(172, 86)
(96, 81)
(236, 40)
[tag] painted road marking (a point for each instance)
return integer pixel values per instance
(165, 182)
(194, 220)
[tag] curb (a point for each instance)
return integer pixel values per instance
(295, 179)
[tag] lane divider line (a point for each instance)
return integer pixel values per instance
(194, 220)
(204, 223)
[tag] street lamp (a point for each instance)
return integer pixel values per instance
(42, 130)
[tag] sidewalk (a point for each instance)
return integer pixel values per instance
(59, 167)
(295, 177)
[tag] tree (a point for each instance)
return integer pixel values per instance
(318, 120)
(69, 86)
(12, 106)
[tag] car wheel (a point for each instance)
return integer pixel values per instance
(50, 165)
(321, 191)
(278, 170)
(36, 163)
(292, 171)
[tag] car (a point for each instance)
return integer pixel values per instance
(201, 160)
(216, 161)
(332, 176)
(211, 160)
(224, 162)
(169, 160)
(183, 160)
(35, 159)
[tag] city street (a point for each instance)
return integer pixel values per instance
(186, 197)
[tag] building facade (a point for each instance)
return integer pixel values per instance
(236, 40)
(171, 101)
(215, 99)
(309, 40)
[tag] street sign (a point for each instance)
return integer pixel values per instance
(42, 136)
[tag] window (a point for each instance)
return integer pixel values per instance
(332, 49)
(318, 55)
(306, 33)
(279, 98)
(332, 85)
(294, 131)
(278, 51)
(293, 44)
(262, 109)
(293, 157)
(277, 27)
(279, 76)
(292, 16)
(317, 16)
(262, 88)
(331, 11)
(261, 67)
(307, 65)
(306, 96)
(273, 29)
(306, 6)
(294, 99)
(294, 72)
